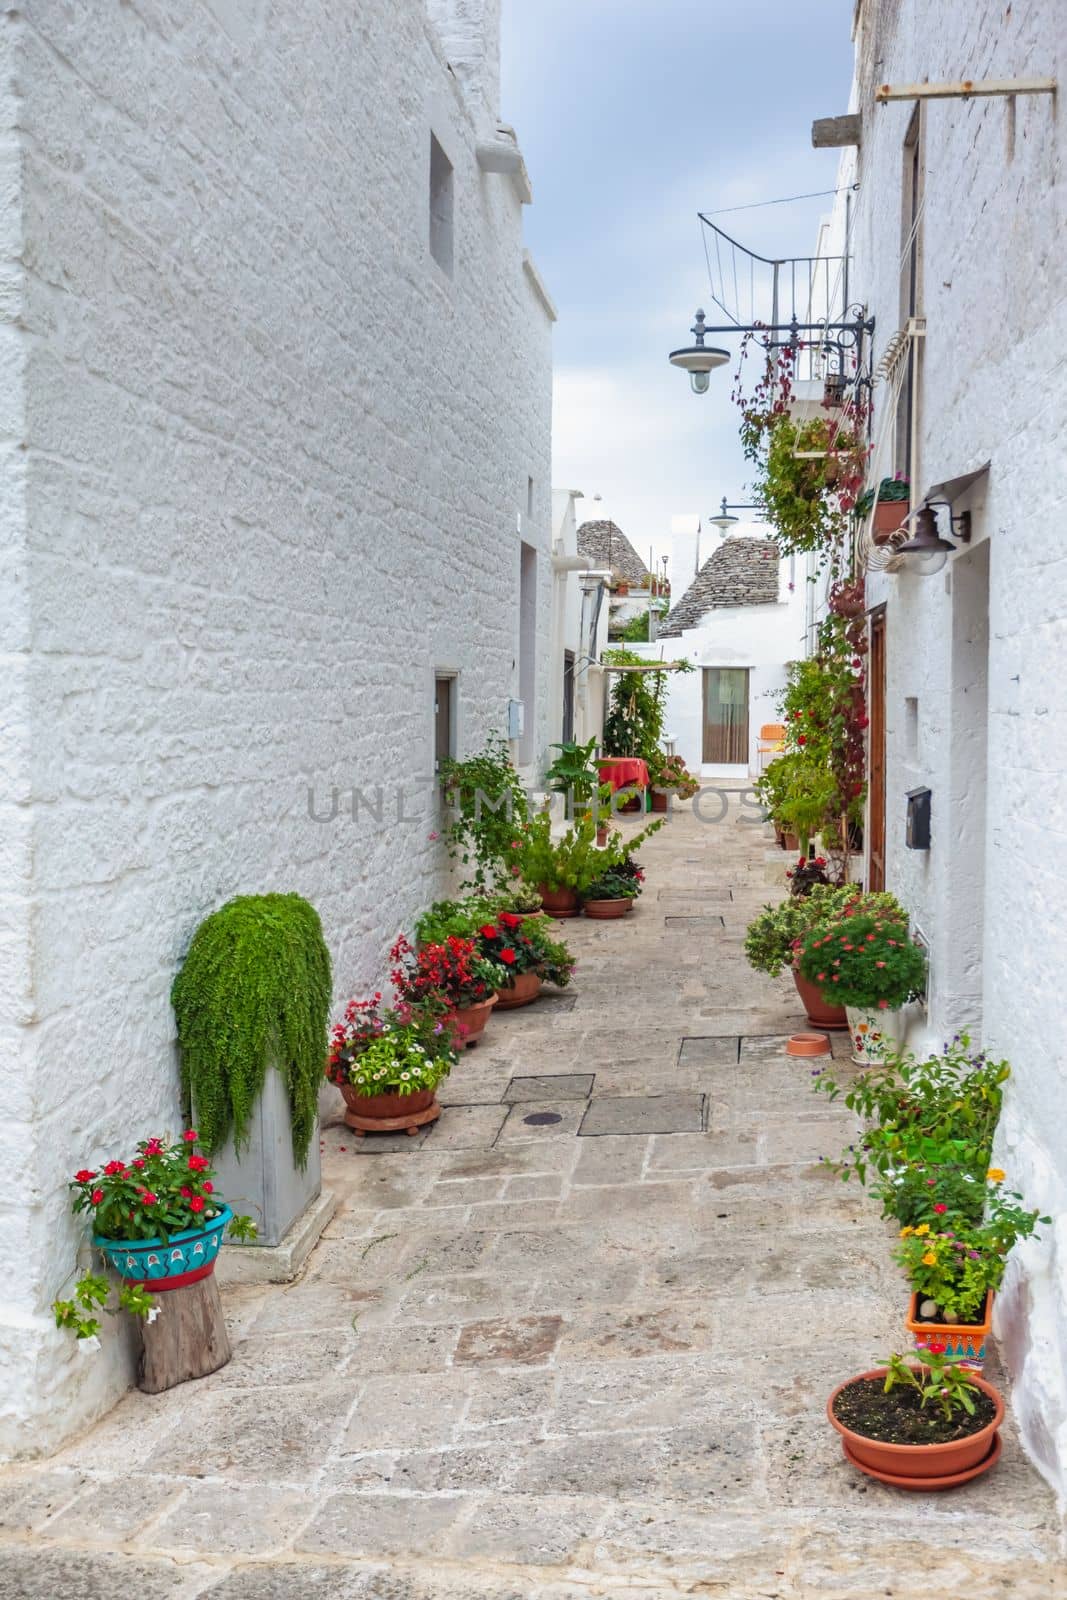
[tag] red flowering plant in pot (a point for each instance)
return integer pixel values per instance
(528, 955)
(387, 1062)
(452, 974)
(868, 963)
(157, 1221)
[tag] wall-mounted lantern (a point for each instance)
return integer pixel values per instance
(925, 551)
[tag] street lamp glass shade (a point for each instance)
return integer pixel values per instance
(699, 360)
(701, 382)
(924, 563)
(723, 521)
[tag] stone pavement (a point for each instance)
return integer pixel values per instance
(574, 1341)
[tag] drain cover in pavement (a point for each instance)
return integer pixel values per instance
(541, 1119)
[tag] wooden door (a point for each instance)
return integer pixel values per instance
(876, 753)
(725, 716)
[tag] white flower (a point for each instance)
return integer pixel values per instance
(88, 1346)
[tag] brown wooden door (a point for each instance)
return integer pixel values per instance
(725, 716)
(876, 754)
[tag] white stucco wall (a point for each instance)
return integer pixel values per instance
(989, 893)
(263, 469)
(763, 638)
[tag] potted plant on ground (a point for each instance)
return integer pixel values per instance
(868, 963)
(453, 973)
(521, 899)
(772, 939)
(387, 1063)
(528, 955)
(669, 775)
(158, 1222)
(252, 1006)
(918, 1427)
(612, 894)
(561, 868)
(894, 498)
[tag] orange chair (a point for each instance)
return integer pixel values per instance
(771, 741)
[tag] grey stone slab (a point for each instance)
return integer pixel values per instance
(710, 1050)
(203, 1522)
(681, 1152)
(240, 1436)
(534, 1530)
(406, 1410)
(541, 1121)
(610, 1160)
(292, 1580)
(112, 1511)
(704, 924)
(551, 1086)
(466, 1128)
(643, 1114)
(29, 1498)
(376, 1525)
(28, 1572)
(688, 1464)
(516, 1341)
(619, 1333)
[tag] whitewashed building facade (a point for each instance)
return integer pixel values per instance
(274, 482)
(956, 233)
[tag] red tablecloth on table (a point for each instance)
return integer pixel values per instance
(623, 772)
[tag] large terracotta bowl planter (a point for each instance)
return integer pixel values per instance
(523, 988)
(968, 1342)
(472, 1021)
(558, 902)
(390, 1113)
(921, 1466)
(607, 908)
(818, 1011)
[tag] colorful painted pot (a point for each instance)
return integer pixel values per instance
(184, 1258)
(967, 1342)
(875, 1034)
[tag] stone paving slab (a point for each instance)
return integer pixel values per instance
(524, 1364)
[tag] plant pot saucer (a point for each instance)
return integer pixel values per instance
(409, 1124)
(952, 1480)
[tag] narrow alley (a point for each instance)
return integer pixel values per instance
(574, 1340)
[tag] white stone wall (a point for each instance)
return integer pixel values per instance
(264, 465)
(994, 390)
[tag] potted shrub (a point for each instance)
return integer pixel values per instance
(158, 1221)
(868, 963)
(574, 774)
(894, 498)
(561, 868)
(612, 894)
(528, 955)
(669, 775)
(918, 1427)
(387, 1063)
(772, 939)
(522, 900)
(252, 1006)
(453, 974)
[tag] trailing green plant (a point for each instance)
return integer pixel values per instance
(488, 803)
(865, 961)
(772, 939)
(253, 992)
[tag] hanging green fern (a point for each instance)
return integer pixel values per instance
(254, 990)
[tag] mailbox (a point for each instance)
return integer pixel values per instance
(917, 827)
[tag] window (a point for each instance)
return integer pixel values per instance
(444, 721)
(440, 207)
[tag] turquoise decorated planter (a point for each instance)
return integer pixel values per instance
(187, 1257)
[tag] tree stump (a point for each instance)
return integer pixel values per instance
(187, 1340)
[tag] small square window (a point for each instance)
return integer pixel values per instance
(441, 192)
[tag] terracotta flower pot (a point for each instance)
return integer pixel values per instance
(660, 800)
(607, 908)
(472, 1021)
(523, 988)
(389, 1113)
(558, 902)
(888, 516)
(967, 1341)
(635, 803)
(817, 1010)
(920, 1466)
(602, 834)
(791, 841)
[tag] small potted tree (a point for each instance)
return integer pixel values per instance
(918, 1427)
(868, 963)
(387, 1063)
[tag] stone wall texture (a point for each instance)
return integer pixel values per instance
(265, 470)
(989, 893)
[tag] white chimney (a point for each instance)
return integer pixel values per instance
(685, 552)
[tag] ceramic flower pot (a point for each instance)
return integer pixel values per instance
(558, 902)
(185, 1258)
(967, 1342)
(472, 1021)
(389, 1113)
(660, 800)
(874, 1033)
(921, 1466)
(523, 988)
(888, 517)
(817, 1010)
(607, 908)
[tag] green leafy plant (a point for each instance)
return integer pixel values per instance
(520, 944)
(893, 490)
(254, 990)
(634, 723)
(613, 885)
(863, 961)
(163, 1190)
(574, 774)
(956, 1267)
(571, 861)
(939, 1381)
(772, 937)
(401, 1049)
(488, 803)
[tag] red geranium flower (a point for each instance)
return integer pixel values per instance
(936, 1348)
(507, 955)
(198, 1163)
(509, 919)
(940, 1209)
(488, 931)
(84, 1176)
(113, 1168)
(190, 1135)
(208, 1188)
(96, 1196)
(147, 1197)
(139, 1163)
(196, 1203)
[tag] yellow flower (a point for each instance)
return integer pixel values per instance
(923, 1228)
(905, 1232)
(929, 1259)
(995, 1175)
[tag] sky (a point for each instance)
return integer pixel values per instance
(633, 115)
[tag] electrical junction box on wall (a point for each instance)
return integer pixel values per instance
(917, 826)
(516, 719)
